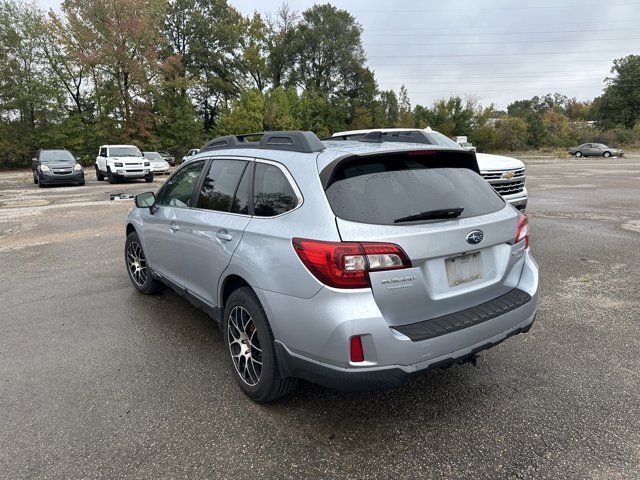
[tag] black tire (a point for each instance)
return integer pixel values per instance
(149, 286)
(149, 178)
(35, 180)
(81, 184)
(578, 154)
(112, 178)
(270, 385)
(99, 176)
(606, 154)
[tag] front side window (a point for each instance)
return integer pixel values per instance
(221, 184)
(103, 152)
(273, 194)
(178, 190)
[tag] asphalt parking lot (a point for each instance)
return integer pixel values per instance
(98, 381)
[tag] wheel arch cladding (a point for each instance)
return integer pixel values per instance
(130, 228)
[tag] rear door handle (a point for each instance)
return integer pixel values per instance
(224, 236)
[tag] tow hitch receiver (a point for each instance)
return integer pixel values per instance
(472, 359)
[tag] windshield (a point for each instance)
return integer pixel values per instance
(56, 156)
(153, 156)
(124, 152)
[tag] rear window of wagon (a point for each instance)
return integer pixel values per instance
(381, 190)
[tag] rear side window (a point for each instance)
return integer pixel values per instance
(273, 194)
(178, 190)
(220, 185)
(382, 193)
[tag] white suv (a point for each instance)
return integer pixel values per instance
(505, 174)
(120, 162)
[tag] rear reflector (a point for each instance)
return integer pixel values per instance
(357, 353)
(347, 264)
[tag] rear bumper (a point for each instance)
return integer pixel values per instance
(312, 335)
(382, 378)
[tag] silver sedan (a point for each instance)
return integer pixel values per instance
(595, 150)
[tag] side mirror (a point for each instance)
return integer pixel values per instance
(146, 200)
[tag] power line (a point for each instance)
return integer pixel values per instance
(446, 55)
(485, 32)
(537, 74)
(496, 42)
(521, 7)
(486, 64)
(429, 80)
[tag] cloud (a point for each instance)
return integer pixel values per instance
(495, 50)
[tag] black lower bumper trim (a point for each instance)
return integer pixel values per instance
(364, 381)
(469, 317)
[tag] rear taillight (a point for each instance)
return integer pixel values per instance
(347, 264)
(522, 233)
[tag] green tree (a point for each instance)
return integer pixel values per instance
(254, 51)
(279, 110)
(328, 47)
(512, 133)
(206, 36)
(280, 39)
(246, 115)
(620, 102)
(390, 108)
(31, 102)
(405, 112)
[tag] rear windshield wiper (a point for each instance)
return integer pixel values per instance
(432, 215)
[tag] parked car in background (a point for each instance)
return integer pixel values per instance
(464, 143)
(170, 159)
(595, 150)
(56, 167)
(190, 154)
(121, 162)
(351, 264)
(158, 164)
(506, 175)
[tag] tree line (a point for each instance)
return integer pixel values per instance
(170, 75)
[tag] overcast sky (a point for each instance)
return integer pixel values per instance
(496, 50)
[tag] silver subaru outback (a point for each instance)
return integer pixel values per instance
(352, 264)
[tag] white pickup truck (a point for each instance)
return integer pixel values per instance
(121, 162)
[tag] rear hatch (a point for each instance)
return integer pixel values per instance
(455, 229)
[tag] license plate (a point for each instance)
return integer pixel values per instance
(464, 269)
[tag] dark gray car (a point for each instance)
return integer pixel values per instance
(595, 150)
(56, 167)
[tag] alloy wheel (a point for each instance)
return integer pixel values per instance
(244, 345)
(137, 263)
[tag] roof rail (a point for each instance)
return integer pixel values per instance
(293, 141)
